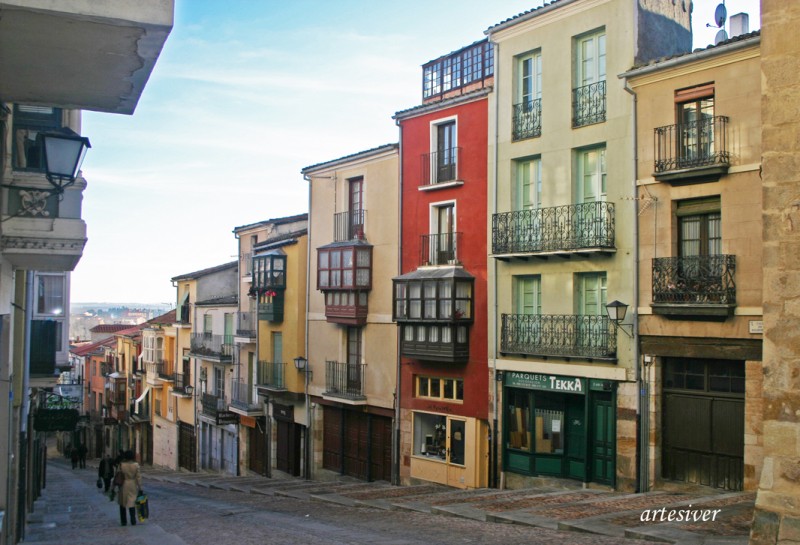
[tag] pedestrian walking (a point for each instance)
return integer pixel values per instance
(73, 455)
(130, 489)
(82, 450)
(106, 471)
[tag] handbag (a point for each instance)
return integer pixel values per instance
(119, 478)
(142, 506)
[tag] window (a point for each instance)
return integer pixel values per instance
(445, 389)
(443, 300)
(50, 294)
(219, 382)
(344, 268)
(208, 324)
(699, 227)
(528, 97)
(529, 184)
(277, 347)
(527, 295)
(695, 117)
(444, 144)
(591, 294)
(518, 420)
(441, 243)
(720, 376)
(356, 207)
(592, 175)
(269, 272)
(353, 345)
(589, 93)
(29, 121)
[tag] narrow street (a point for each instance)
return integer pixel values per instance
(202, 509)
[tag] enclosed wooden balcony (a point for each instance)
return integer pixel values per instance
(344, 275)
(695, 287)
(563, 336)
(572, 229)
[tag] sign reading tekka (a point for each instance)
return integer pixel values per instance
(538, 381)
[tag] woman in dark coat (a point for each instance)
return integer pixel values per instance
(106, 471)
(130, 488)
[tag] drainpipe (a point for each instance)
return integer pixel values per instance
(25, 409)
(309, 428)
(397, 399)
(642, 435)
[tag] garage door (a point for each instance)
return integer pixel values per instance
(357, 444)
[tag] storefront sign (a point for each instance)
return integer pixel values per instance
(283, 412)
(600, 385)
(55, 420)
(248, 421)
(538, 381)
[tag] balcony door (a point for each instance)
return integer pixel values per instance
(354, 359)
(591, 216)
(591, 59)
(695, 126)
(700, 244)
(446, 152)
(591, 309)
(443, 244)
(356, 207)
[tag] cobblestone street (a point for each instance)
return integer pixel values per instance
(210, 509)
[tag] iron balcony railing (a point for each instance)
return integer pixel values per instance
(589, 104)
(570, 227)
(439, 167)
(567, 336)
(164, 370)
(246, 324)
(695, 280)
(242, 395)
(345, 380)
(181, 382)
(439, 249)
(213, 405)
(271, 374)
(216, 346)
(349, 225)
(527, 119)
(692, 145)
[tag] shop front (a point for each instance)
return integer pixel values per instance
(559, 426)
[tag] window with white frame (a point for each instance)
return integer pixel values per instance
(528, 96)
(589, 92)
(528, 194)
(528, 294)
(444, 151)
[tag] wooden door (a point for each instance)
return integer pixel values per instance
(257, 448)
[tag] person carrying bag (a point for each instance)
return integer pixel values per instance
(129, 490)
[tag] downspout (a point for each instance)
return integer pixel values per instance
(309, 428)
(642, 437)
(398, 389)
(495, 404)
(25, 402)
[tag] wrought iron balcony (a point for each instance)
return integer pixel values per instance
(439, 167)
(527, 120)
(697, 285)
(439, 249)
(208, 346)
(181, 381)
(345, 380)
(246, 324)
(589, 104)
(243, 396)
(700, 144)
(215, 407)
(271, 375)
(349, 225)
(568, 228)
(564, 336)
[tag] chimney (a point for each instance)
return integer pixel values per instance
(740, 24)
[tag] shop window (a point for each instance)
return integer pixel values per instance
(549, 426)
(519, 413)
(430, 436)
(444, 389)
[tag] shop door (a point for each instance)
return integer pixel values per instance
(288, 452)
(602, 438)
(381, 449)
(257, 447)
(356, 451)
(187, 447)
(456, 449)
(332, 439)
(575, 431)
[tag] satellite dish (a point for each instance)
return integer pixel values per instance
(720, 37)
(720, 15)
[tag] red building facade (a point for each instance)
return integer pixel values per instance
(440, 300)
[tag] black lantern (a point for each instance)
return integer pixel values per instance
(300, 363)
(64, 150)
(616, 313)
(189, 389)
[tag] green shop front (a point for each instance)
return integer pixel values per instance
(559, 426)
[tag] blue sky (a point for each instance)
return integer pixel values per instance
(244, 95)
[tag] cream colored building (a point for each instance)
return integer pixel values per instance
(351, 339)
(700, 264)
(561, 197)
(269, 391)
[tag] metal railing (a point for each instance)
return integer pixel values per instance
(692, 145)
(212, 405)
(181, 382)
(349, 225)
(271, 374)
(246, 324)
(347, 380)
(439, 249)
(569, 227)
(527, 120)
(218, 346)
(695, 280)
(589, 104)
(242, 395)
(439, 166)
(570, 335)
(156, 369)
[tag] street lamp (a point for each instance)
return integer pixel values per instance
(616, 313)
(300, 363)
(64, 150)
(189, 389)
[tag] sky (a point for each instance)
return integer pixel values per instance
(244, 95)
